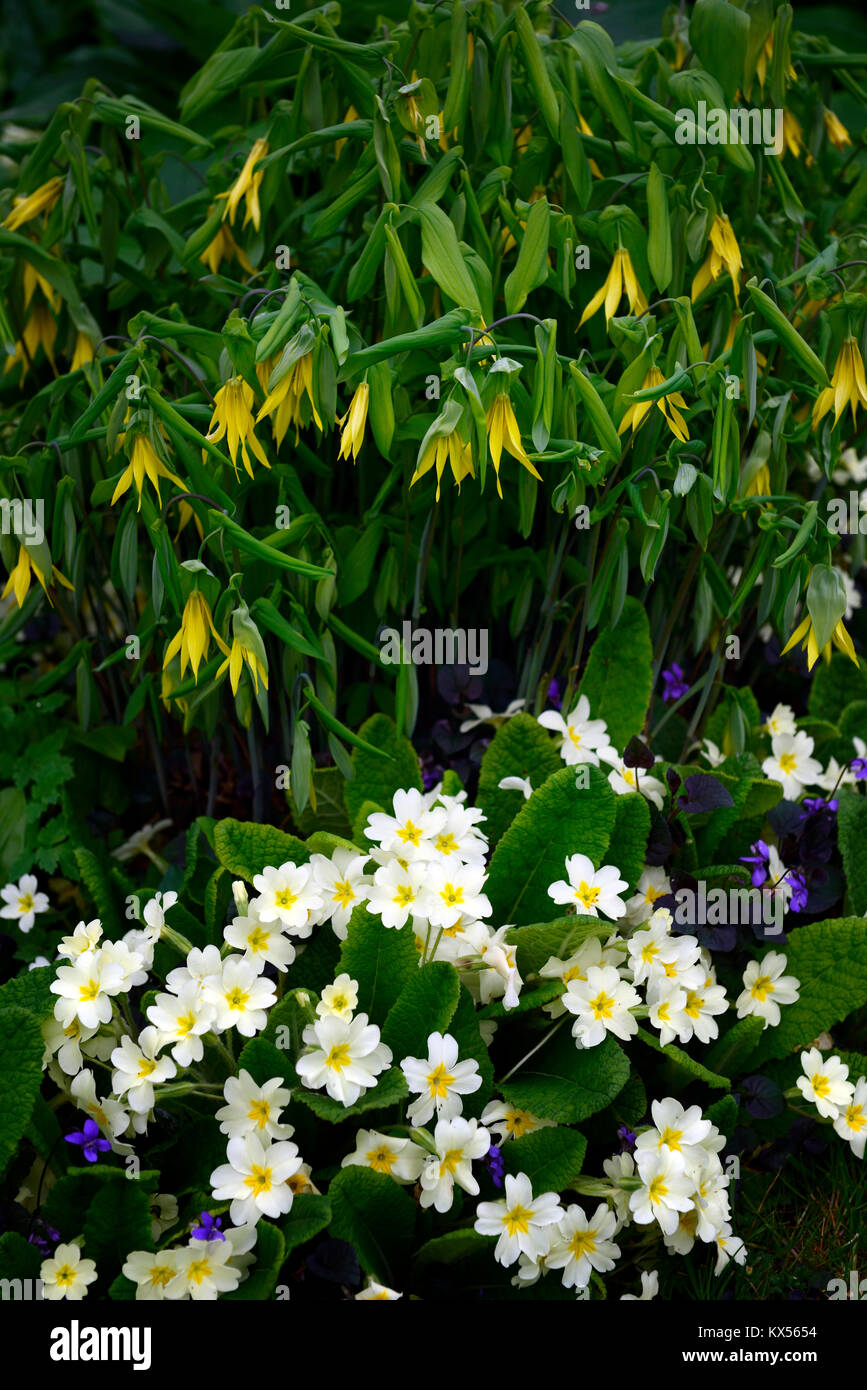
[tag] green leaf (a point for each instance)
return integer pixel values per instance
(390, 1088)
(441, 255)
(531, 267)
(724, 1114)
(520, 748)
(309, 1214)
(118, 1220)
(375, 779)
(270, 1251)
(852, 838)
(565, 1083)
(720, 34)
(732, 1054)
(95, 878)
(21, 1049)
(452, 1248)
(551, 1158)
(531, 855)
(629, 836)
(830, 961)
(464, 1028)
(424, 1006)
(376, 1217)
(19, 1260)
(263, 1060)
(72, 1196)
(834, 686)
(31, 991)
(382, 960)
(245, 848)
(682, 1059)
(561, 938)
(617, 681)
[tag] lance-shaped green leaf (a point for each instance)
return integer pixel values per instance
(786, 334)
(531, 267)
(442, 256)
(603, 425)
(599, 62)
(660, 256)
(537, 72)
(260, 551)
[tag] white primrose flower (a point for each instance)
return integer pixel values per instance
(454, 894)
(459, 840)
(824, 1083)
(729, 1247)
(649, 1288)
(241, 997)
(485, 715)
(203, 968)
(507, 1122)
(851, 1122)
(401, 1159)
(84, 939)
(584, 1244)
(22, 901)
(516, 784)
(593, 892)
(678, 961)
(131, 962)
(791, 763)
(458, 1142)
(518, 1220)
(108, 1113)
(287, 895)
(253, 1109)
(781, 720)
(152, 1273)
(617, 1167)
(377, 1293)
(766, 988)
(500, 979)
(164, 1214)
(835, 776)
(676, 1129)
(86, 988)
(700, 1011)
(343, 884)
(263, 943)
(711, 1199)
(345, 1057)
(654, 883)
(581, 738)
(531, 1270)
(255, 1178)
(590, 952)
(622, 779)
(399, 892)
(140, 841)
(666, 1188)
(340, 998)
(409, 832)
(645, 945)
(154, 913)
(714, 755)
(601, 1004)
(440, 1079)
(66, 1274)
(66, 1043)
(666, 1009)
(181, 1020)
(204, 1271)
(137, 1069)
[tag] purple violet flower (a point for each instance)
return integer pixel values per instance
(859, 767)
(209, 1229)
(495, 1166)
(674, 683)
(627, 1139)
(760, 858)
(798, 900)
(555, 695)
(91, 1141)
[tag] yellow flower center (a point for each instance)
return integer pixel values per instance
(146, 1066)
(788, 762)
(587, 895)
(404, 896)
(582, 1243)
(657, 1190)
(762, 987)
(517, 1220)
(450, 1161)
(65, 1275)
(285, 899)
(855, 1117)
(258, 939)
(161, 1274)
(338, 1057)
(87, 993)
(821, 1085)
(409, 833)
(185, 1025)
(518, 1122)
(259, 1113)
(236, 998)
(446, 844)
(259, 1180)
(452, 895)
(25, 903)
(200, 1269)
(671, 1137)
(344, 893)
(439, 1081)
(602, 1005)
(381, 1160)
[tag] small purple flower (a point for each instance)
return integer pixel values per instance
(760, 858)
(555, 695)
(798, 900)
(815, 804)
(209, 1229)
(627, 1139)
(495, 1166)
(91, 1141)
(859, 767)
(674, 683)
(46, 1240)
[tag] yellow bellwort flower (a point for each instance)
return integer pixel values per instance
(805, 636)
(760, 483)
(586, 130)
(503, 433)
(723, 253)
(82, 353)
(223, 247)
(41, 200)
(667, 404)
(350, 115)
(193, 639)
(353, 423)
(40, 331)
(247, 186)
(848, 386)
(793, 137)
(449, 448)
(20, 574)
(233, 416)
(286, 400)
(766, 56)
(621, 280)
(144, 462)
(30, 280)
(835, 130)
(246, 647)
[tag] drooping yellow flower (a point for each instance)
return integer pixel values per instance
(29, 282)
(83, 352)
(621, 279)
(449, 448)
(805, 635)
(765, 57)
(224, 248)
(144, 462)
(19, 578)
(848, 386)
(233, 416)
(246, 646)
(193, 639)
(286, 401)
(793, 137)
(247, 186)
(353, 422)
(41, 200)
(585, 130)
(723, 253)
(503, 433)
(523, 136)
(351, 115)
(667, 404)
(40, 331)
(760, 483)
(835, 130)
